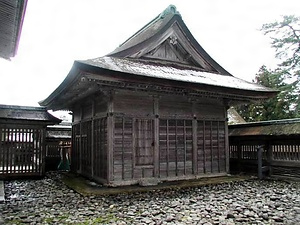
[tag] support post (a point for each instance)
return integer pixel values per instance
(269, 156)
(156, 136)
(239, 155)
(259, 162)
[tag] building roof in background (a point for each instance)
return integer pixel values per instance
(27, 113)
(272, 127)
(234, 117)
(59, 131)
(12, 14)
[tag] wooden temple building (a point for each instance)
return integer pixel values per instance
(154, 109)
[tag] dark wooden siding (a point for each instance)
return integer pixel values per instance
(133, 105)
(133, 148)
(100, 149)
(211, 155)
(123, 149)
(89, 148)
(176, 146)
(134, 151)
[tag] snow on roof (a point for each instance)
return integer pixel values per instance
(15, 112)
(163, 71)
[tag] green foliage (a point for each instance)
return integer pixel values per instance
(283, 106)
(285, 37)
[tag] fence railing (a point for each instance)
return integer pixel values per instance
(281, 155)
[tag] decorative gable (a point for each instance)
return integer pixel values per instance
(171, 50)
(166, 38)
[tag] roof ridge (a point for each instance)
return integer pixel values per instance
(171, 9)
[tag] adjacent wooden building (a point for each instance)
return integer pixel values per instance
(22, 140)
(279, 139)
(155, 109)
(12, 13)
(58, 137)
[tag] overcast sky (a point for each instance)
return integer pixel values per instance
(57, 32)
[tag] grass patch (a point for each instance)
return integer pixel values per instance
(107, 218)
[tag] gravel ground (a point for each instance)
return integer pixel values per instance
(49, 201)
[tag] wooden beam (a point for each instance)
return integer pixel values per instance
(226, 140)
(156, 136)
(218, 139)
(195, 149)
(42, 150)
(168, 147)
(204, 155)
(211, 147)
(123, 148)
(110, 138)
(93, 139)
(80, 141)
(133, 148)
(185, 146)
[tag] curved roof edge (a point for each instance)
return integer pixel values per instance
(70, 78)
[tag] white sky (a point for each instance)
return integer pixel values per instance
(57, 32)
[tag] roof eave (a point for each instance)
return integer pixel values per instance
(70, 78)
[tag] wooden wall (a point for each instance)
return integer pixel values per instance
(89, 139)
(145, 136)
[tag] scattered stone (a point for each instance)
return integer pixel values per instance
(229, 215)
(49, 201)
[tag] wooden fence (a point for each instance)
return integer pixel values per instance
(53, 156)
(21, 151)
(280, 154)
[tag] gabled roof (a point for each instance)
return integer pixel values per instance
(162, 56)
(167, 38)
(27, 113)
(12, 14)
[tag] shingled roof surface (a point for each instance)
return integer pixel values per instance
(38, 114)
(12, 14)
(272, 127)
(163, 52)
(165, 71)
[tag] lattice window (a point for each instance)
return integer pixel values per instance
(144, 142)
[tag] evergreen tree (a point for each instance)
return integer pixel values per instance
(285, 37)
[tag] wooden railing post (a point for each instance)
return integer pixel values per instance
(239, 156)
(259, 162)
(269, 156)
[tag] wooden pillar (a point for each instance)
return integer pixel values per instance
(80, 141)
(195, 144)
(43, 149)
(194, 130)
(92, 139)
(259, 162)
(110, 138)
(156, 136)
(239, 156)
(269, 156)
(226, 139)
